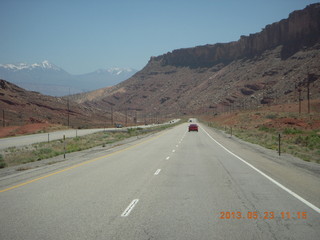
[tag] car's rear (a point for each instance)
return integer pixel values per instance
(193, 127)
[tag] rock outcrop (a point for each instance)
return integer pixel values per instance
(301, 29)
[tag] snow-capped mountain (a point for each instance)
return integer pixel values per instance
(118, 71)
(24, 66)
(49, 79)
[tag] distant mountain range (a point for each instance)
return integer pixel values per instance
(49, 79)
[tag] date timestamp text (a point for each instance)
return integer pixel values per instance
(262, 215)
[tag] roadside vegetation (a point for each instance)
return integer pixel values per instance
(20, 155)
(2, 163)
(300, 134)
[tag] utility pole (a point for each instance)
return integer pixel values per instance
(308, 92)
(68, 105)
(68, 112)
(3, 119)
(145, 118)
(136, 117)
(126, 117)
(299, 90)
(112, 115)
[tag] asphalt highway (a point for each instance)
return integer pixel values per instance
(172, 185)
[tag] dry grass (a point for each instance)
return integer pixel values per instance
(15, 156)
(36, 152)
(300, 134)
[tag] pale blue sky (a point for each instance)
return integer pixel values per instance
(82, 36)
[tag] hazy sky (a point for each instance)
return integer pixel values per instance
(82, 36)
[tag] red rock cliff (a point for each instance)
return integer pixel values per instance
(301, 28)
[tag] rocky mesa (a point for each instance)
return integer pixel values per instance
(301, 29)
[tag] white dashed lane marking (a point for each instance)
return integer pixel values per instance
(129, 208)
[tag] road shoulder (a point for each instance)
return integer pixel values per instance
(299, 176)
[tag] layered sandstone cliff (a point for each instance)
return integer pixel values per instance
(301, 29)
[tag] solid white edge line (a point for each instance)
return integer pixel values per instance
(266, 176)
(157, 172)
(129, 208)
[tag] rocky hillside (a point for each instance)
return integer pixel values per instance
(268, 67)
(22, 107)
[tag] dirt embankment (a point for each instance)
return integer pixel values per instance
(28, 129)
(277, 117)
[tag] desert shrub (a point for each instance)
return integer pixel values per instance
(313, 141)
(292, 131)
(266, 129)
(272, 116)
(299, 140)
(43, 153)
(2, 162)
(132, 131)
(73, 148)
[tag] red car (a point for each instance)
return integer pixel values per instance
(193, 127)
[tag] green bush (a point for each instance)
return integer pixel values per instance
(272, 116)
(72, 148)
(2, 163)
(313, 141)
(299, 140)
(266, 129)
(132, 131)
(291, 131)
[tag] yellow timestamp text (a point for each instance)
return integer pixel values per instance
(262, 215)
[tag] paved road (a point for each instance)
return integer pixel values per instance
(44, 137)
(173, 185)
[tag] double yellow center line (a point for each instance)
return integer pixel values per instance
(79, 164)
